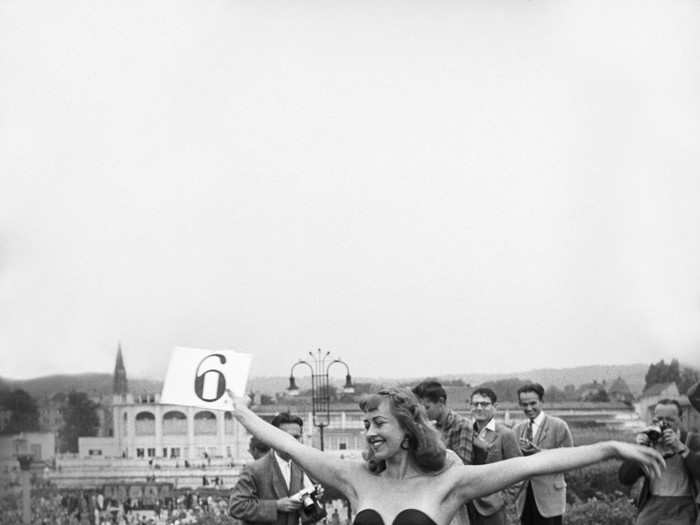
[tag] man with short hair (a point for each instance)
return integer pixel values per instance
(456, 430)
(492, 442)
(542, 501)
(670, 498)
(262, 492)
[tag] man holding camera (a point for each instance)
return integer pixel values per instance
(670, 498)
(542, 500)
(265, 490)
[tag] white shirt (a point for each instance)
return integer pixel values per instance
(286, 468)
(491, 425)
(536, 424)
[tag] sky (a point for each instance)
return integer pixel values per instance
(421, 187)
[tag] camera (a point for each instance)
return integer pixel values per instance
(311, 508)
(655, 431)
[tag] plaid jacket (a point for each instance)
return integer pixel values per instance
(457, 433)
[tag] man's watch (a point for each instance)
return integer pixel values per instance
(683, 452)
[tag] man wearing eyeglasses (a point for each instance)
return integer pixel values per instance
(491, 442)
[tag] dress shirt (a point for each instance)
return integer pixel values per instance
(286, 468)
(536, 424)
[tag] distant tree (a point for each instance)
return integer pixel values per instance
(599, 396)
(662, 373)
(454, 382)
(24, 412)
(555, 394)
(266, 399)
(506, 389)
(332, 392)
(671, 373)
(688, 377)
(80, 419)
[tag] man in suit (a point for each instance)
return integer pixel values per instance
(492, 442)
(542, 501)
(262, 492)
(669, 498)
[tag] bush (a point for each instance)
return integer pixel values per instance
(595, 481)
(608, 510)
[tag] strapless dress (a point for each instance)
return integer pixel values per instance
(405, 517)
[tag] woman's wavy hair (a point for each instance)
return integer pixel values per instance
(424, 442)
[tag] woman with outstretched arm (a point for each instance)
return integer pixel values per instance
(405, 479)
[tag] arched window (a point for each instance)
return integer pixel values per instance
(228, 423)
(145, 424)
(174, 422)
(204, 422)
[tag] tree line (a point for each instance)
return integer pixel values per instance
(79, 413)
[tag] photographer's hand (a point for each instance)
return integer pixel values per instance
(672, 439)
(287, 505)
(642, 439)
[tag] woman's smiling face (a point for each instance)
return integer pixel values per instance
(384, 434)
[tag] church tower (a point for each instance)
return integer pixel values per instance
(121, 387)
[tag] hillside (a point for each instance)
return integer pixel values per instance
(102, 383)
(90, 383)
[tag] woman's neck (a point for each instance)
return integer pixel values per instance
(401, 466)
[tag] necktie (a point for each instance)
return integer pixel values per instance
(529, 434)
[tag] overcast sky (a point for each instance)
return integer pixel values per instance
(421, 187)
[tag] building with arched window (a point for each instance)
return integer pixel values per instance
(142, 427)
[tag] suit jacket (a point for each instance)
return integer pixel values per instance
(549, 490)
(254, 497)
(630, 471)
(502, 445)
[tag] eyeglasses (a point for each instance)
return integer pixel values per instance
(481, 403)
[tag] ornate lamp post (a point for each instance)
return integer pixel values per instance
(25, 461)
(320, 394)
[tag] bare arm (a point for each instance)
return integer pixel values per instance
(474, 481)
(322, 466)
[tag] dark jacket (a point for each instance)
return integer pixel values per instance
(630, 471)
(502, 444)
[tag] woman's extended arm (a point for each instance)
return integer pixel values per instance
(322, 466)
(475, 481)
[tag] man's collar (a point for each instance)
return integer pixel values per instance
(491, 425)
(281, 461)
(539, 419)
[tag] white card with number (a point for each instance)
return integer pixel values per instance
(199, 378)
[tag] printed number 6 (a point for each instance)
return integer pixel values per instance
(206, 387)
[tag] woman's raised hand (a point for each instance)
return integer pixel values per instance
(651, 461)
(237, 403)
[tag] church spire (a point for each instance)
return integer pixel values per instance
(121, 387)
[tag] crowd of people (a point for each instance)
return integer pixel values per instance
(427, 465)
(424, 465)
(55, 507)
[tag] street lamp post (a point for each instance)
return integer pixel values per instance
(25, 461)
(320, 394)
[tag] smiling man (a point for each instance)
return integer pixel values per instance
(543, 500)
(492, 442)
